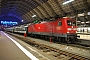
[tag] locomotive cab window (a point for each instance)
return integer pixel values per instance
(71, 23)
(59, 23)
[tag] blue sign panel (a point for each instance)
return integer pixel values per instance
(9, 23)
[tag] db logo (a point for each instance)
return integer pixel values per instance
(58, 28)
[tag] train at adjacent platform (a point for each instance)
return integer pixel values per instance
(61, 29)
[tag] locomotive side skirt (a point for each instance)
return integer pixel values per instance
(51, 34)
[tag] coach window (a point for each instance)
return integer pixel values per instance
(59, 23)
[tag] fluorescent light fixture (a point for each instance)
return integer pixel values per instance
(67, 2)
(80, 14)
(88, 13)
(87, 22)
(78, 21)
(34, 16)
(22, 20)
(88, 28)
(82, 22)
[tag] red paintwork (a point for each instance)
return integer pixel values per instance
(52, 27)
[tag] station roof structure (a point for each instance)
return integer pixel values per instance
(43, 9)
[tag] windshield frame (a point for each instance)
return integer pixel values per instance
(71, 22)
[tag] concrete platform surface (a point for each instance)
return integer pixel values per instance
(10, 51)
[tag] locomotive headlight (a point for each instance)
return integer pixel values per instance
(67, 32)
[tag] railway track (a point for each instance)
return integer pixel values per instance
(47, 49)
(80, 44)
(83, 42)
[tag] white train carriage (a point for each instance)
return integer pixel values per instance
(20, 29)
(10, 29)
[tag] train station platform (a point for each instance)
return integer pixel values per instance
(85, 36)
(12, 50)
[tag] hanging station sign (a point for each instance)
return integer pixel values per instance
(9, 23)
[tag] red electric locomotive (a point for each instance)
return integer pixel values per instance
(62, 29)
